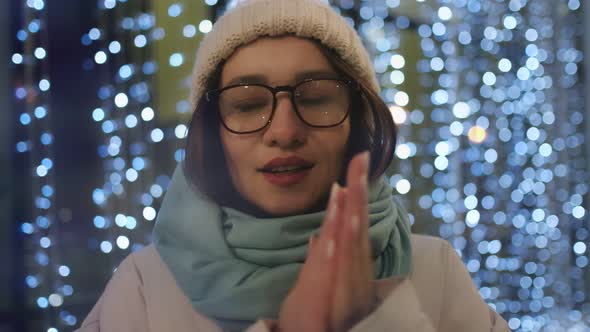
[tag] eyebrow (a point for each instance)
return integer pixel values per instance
(300, 76)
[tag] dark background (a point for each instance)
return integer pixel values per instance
(72, 93)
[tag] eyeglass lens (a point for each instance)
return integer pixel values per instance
(320, 103)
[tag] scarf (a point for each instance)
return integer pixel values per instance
(236, 268)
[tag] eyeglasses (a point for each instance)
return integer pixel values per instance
(247, 108)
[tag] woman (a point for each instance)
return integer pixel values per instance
(255, 233)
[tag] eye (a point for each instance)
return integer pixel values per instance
(315, 96)
(250, 105)
(314, 100)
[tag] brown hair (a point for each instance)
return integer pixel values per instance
(205, 165)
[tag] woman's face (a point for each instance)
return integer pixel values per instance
(286, 140)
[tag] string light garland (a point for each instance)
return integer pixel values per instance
(135, 177)
(46, 279)
(125, 115)
(497, 133)
(145, 51)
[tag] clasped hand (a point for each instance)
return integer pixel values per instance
(334, 289)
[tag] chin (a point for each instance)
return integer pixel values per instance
(284, 208)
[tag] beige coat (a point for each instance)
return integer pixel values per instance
(439, 296)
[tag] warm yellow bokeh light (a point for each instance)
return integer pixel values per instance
(477, 134)
(399, 114)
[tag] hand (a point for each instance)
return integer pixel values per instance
(334, 289)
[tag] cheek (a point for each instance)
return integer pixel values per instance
(344, 146)
(238, 152)
(336, 149)
(232, 150)
(343, 139)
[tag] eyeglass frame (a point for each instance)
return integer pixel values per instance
(213, 95)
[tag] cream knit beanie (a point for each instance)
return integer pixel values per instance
(252, 19)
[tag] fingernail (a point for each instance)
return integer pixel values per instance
(334, 191)
(310, 241)
(333, 205)
(355, 222)
(366, 156)
(363, 179)
(330, 249)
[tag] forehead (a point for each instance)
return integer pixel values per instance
(276, 60)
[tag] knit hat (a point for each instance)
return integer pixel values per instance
(251, 19)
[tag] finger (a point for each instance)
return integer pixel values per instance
(365, 253)
(325, 241)
(363, 208)
(352, 284)
(315, 282)
(344, 268)
(316, 268)
(329, 227)
(310, 243)
(358, 198)
(317, 272)
(324, 249)
(357, 180)
(312, 283)
(327, 230)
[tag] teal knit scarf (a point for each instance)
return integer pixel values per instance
(235, 268)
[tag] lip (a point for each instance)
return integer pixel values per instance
(289, 178)
(287, 161)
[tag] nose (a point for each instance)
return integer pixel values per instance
(286, 130)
